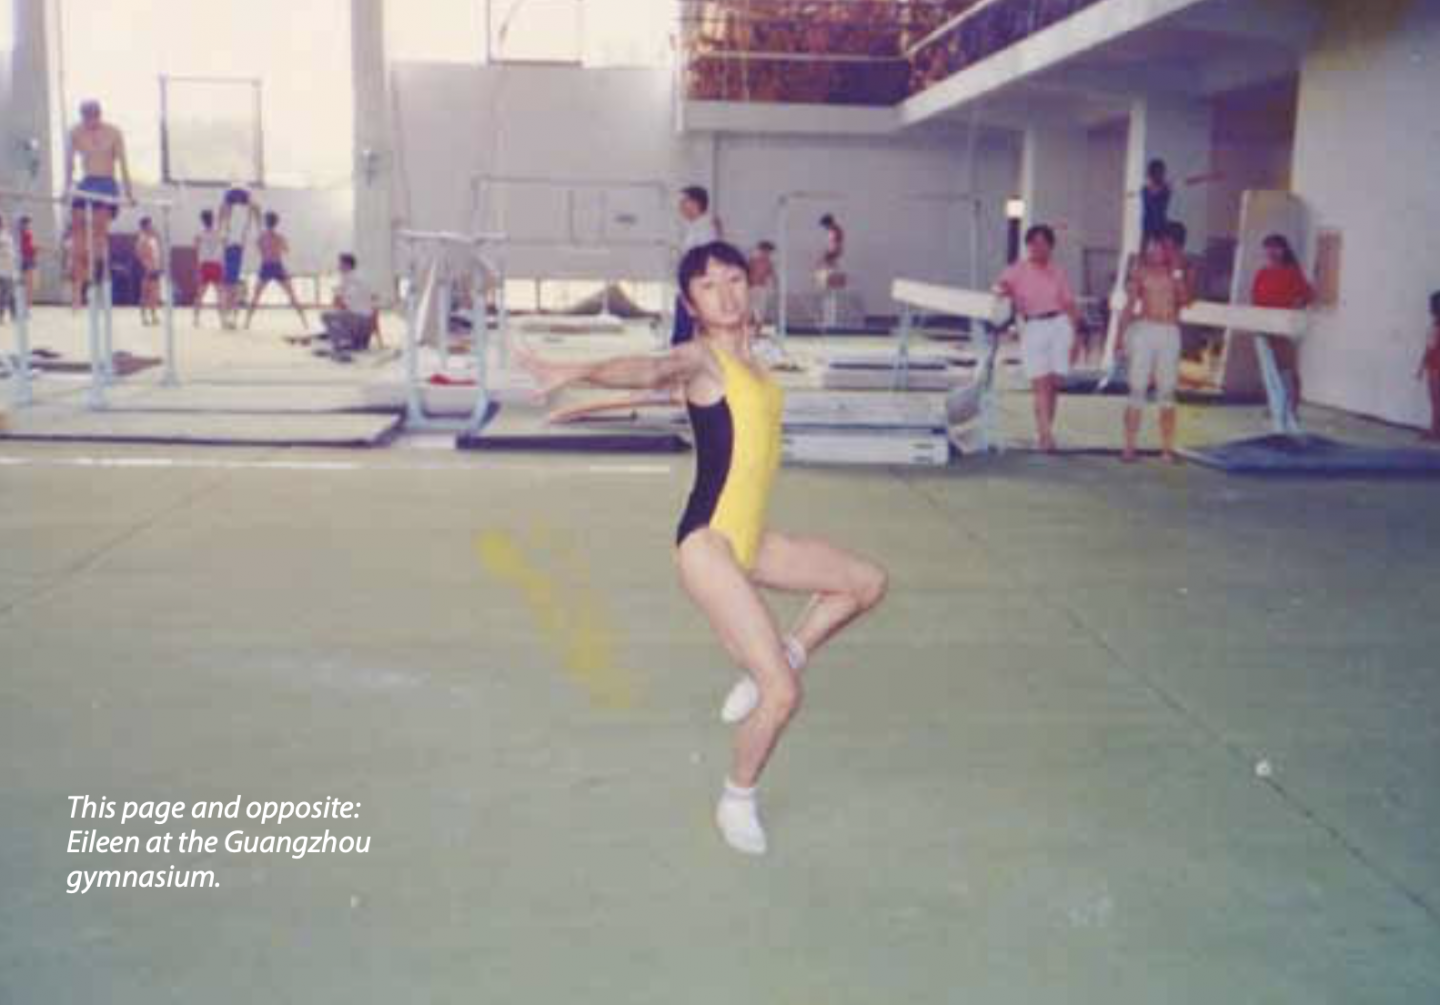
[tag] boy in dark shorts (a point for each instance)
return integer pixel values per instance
(273, 249)
(148, 252)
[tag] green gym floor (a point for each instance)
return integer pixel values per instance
(1030, 778)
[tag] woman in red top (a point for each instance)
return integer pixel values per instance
(1283, 285)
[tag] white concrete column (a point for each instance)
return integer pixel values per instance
(27, 157)
(1178, 131)
(1052, 183)
(374, 148)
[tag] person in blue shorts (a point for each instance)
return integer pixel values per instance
(273, 249)
(237, 203)
(100, 148)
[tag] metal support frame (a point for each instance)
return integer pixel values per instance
(1284, 413)
(22, 393)
(428, 259)
(100, 319)
(987, 308)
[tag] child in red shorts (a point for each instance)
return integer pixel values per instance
(210, 252)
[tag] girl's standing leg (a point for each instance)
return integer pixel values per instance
(714, 580)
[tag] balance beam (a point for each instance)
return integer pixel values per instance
(1244, 318)
(952, 300)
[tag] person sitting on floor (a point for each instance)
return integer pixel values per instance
(352, 322)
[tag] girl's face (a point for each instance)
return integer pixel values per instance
(720, 296)
(1274, 255)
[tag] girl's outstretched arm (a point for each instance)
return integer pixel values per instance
(673, 369)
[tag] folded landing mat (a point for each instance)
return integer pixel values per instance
(1316, 456)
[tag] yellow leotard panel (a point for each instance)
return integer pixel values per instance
(756, 407)
(737, 452)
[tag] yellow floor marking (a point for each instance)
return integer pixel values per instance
(569, 613)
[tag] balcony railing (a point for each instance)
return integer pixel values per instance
(846, 52)
(842, 52)
(981, 31)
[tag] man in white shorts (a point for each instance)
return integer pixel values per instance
(1157, 290)
(1041, 293)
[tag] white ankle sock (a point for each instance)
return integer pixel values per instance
(738, 817)
(733, 791)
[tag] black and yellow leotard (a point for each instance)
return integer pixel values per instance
(737, 452)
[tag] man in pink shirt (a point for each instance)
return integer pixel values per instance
(1043, 299)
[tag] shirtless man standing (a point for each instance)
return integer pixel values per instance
(100, 147)
(1157, 291)
(150, 254)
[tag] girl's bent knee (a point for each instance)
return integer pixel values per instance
(872, 586)
(783, 698)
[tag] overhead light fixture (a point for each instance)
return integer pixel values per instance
(1015, 209)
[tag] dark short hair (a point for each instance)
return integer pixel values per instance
(24, 221)
(697, 260)
(272, 219)
(766, 245)
(1176, 231)
(348, 259)
(237, 197)
(207, 218)
(1282, 244)
(1156, 168)
(827, 220)
(1435, 305)
(145, 221)
(697, 195)
(1041, 230)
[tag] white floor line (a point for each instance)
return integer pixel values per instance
(196, 463)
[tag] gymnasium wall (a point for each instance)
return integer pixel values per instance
(455, 121)
(1367, 159)
(452, 122)
(895, 203)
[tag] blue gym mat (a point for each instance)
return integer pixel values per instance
(1315, 456)
(524, 430)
